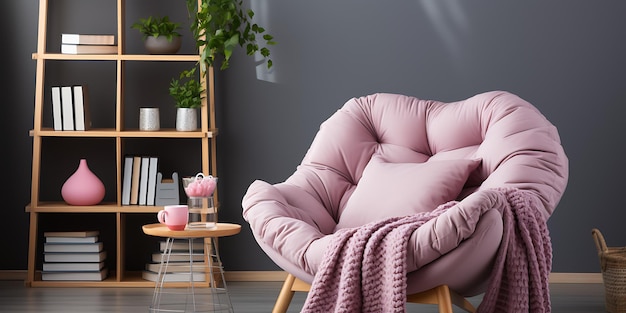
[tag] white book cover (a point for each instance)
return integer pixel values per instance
(74, 257)
(73, 267)
(57, 115)
(67, 103)
(72, 247)
(183, 245)
(173, 277)
(82, 118)
(88, 49)
(152, 179)
(89, 239)
(177, 267)
(143, 180)
(83, 276)
(78, 234)
(127, 179)
(88, 39)
(178, 257)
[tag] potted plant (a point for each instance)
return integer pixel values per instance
(160, 35)
(188, 93)
(219, 26)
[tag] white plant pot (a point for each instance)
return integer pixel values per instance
(186, 119)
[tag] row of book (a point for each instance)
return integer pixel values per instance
(79, 256)
(88, 44)
(70, 108)
(139, 183)
(178, 267)
(73, 256)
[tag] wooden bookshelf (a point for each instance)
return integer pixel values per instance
(119, 276)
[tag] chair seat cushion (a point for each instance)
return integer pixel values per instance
(292, 239)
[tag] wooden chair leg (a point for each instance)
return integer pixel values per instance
(291, 285)
(443, 297)
(285, 295)
(460, 301)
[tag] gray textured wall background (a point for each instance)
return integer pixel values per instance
(566, 57)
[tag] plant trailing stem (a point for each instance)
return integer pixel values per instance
(219, 26)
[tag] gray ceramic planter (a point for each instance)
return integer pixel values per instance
(160, 45)
(186, 119)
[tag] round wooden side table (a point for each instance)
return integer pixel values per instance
(211, 294)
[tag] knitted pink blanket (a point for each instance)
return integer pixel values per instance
(364, 268)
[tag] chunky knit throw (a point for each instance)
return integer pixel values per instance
(519, 280)
(364, 268)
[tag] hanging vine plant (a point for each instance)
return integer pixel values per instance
(219, 26)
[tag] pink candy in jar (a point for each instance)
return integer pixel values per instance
(200, 185)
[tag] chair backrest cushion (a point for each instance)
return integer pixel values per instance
(391, 155)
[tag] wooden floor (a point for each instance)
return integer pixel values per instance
(252, 297)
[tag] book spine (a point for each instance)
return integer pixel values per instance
(88, 233)
(84, 39)
(134, 186)
(176, 257)
(73, 247)
(75, 256)
(88, 49)
(75, 275)
(79, 109)
(67, 103)
(143, 180)
(174, 277)
(88, 239)
(127, 179)
(152, 178)
(183, 246)
(57, 115)
(72, 266)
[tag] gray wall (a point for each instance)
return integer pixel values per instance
(566, 57)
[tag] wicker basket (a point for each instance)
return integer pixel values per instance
(613, 264)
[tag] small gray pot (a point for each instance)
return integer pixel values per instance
(186, 119)
(160, 45)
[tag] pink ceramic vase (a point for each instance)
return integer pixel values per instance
(83, 187)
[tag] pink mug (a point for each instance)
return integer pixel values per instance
(175, 217)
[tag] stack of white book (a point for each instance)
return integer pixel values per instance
(73, 256)
(70, 108)
(88, 44)
(178, 267)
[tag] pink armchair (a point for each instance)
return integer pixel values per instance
(388, 156)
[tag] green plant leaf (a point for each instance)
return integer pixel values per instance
(220, 25)
(187, 91)
(157, 26)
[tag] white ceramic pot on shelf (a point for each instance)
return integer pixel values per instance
(186, 119)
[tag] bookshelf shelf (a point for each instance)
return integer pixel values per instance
(113, 140)
(116, 57)
(61, 207)
(131, 279)
(112, 133)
